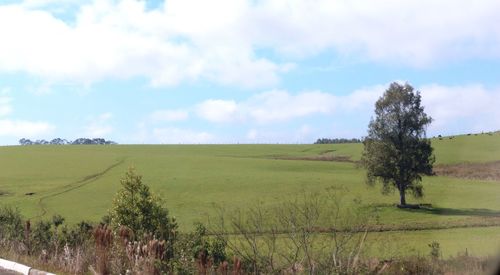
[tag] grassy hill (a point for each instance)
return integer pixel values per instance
(79, 182)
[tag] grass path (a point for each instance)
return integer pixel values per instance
(73, 186)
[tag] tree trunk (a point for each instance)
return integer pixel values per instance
(402, 196)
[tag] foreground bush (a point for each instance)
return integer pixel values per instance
(11, 224)
(136, 208)
(310, 234)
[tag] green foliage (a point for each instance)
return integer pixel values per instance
(136, 208)
(193, 246)
(199, 244)
(76, 235)
(11, 224)
(217, 250)
(435, 250)
(212, 247)
(336, 140)
(235, 174)
(57, 220)
(42, 235)
(396, 150)
(192, 177)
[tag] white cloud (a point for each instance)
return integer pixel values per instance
(43, 3)
(169, 115)
(285, 117)
(98, 131)
(252, 134)
(98, 126)
(5, 91)
(184, 136)
(105, 116)
(5, 107)
(15, 127)
(22, 128)
(455, 109)
(390, 31)
(176, 43)
(217, 110)
(303, 131)
(467, 108)
(280, 105)
(267, 107)
(302, 134)
(120, 39)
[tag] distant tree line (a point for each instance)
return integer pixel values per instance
(60, 141)
(337, 140)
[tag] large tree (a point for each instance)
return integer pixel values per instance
(396, 150)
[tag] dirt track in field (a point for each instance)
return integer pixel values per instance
(72, 186)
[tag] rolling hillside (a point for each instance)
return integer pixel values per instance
(79, 182)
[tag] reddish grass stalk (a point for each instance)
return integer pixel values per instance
(103, 237)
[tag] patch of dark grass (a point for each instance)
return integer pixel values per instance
(323, 157)
(472, 217)
(476, 171)
(480, 212)
(427, 208)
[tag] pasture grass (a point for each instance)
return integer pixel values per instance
(79, 182)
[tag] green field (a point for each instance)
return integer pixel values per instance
(79, 182)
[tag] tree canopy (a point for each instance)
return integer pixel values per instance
(337, 140)
(60, 141)
(397, 152)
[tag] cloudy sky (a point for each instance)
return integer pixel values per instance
(247, 71)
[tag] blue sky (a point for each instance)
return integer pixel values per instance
(241, 71)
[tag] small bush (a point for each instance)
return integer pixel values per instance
(42, 236)
(11, 224)
(77, 235)
(435, 250)
(198, 253)
(136, 208)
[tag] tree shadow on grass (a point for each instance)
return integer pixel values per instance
(479, 212)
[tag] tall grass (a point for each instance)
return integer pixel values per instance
(248, 243)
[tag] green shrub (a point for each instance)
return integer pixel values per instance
(214, 248)
(137, 209)
(198, 250)
(217, 250)
(57, 220)
(76, 235)
(435, 250)
(42, 235)
(11, 224)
